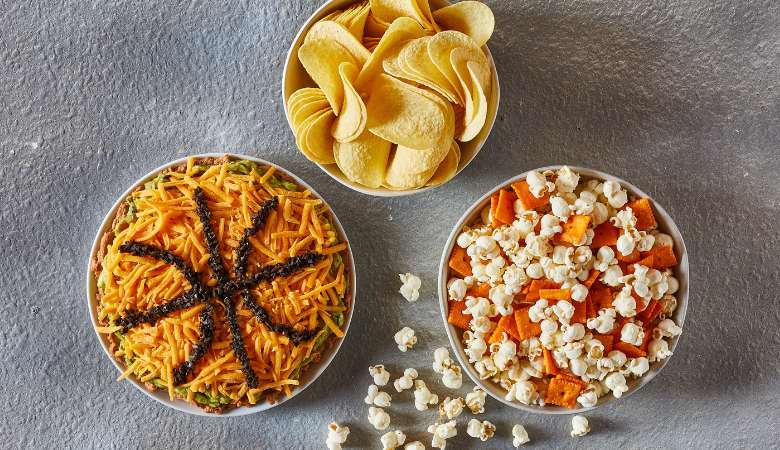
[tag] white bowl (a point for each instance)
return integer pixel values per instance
(295, 77)
(307, 377)
(665, 224)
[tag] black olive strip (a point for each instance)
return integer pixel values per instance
(212, 245)
(264, 317)
(268, 273)
(206, 338)
(135, 318)
(237, 343)
(168, 257)
(244, 246)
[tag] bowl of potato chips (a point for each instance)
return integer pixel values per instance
(392, 97)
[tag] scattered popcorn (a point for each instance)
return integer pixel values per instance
(377, 397)
(336, 436)
(579, 426)
(381, 376)
(378, 418)
(406, 381)
(405, 339)
(452, 408)
(423, 397)
(441, 433)
(520, 436)
(392, 440)
(416, 445)
(451, 374)
(481, 430)
(475, 400)
(411, 286)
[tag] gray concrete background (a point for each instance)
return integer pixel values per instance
(679, 97)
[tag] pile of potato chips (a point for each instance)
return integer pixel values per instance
(399, 85)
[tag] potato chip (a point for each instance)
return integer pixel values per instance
(352, 120)
(402, 114)
(472, 18)
(358, 23)
(307, 110)
(305, 94)
(480, 71)
(390, 10)
(340, 34)
(447, 168)
(301, 136)
(416, 60)
(321, 59)
(318, 137)
(402, 29)
(364, 159)
(424, 8)
(480, 106)
(439, 49)
(375, 27)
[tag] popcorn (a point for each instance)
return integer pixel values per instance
(406, 381)
(377, 397)
(661, 239)
(485, 248)
(588, 396)
(522, 391)
(502, 298)
(585, 204)
(616, 196)
(525, 223)
(405, 339)
(657, 350)
(560, 208)
(452, 408)
(632, 333)
(475, 346)
(451, 374)
(538, 184)
(336, 436)
(452, 377)
(392, 440)
(605, 258)
(441, 433)
(624, 303)
(564, 310)
(579, 426)
(617, 383)
(550, 226)
(411, 285)
(475, 400)
(457, 289)
(599, 215)
(515, 278)
(538, 312)
(535, 271)
(485, 368)
(638, 366)
(594, 348)
(378, 418)
(495, 269)
(423, 397)
(416, 445)
(612, 275)
(481, 430)
(381, 376)
(537, 246)
(669, 304)
(567, 180)
(573, 332)
(520, 436)
(578, 292)
(673, 284)
(625, 244)
(604, 322)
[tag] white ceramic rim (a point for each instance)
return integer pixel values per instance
(332, 169)
(307, 377)
(681, 272)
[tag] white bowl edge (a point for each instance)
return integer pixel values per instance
(681, 273)
(307, 377)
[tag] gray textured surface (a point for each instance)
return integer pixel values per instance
(679, 97)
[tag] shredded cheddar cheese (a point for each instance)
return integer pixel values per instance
(166, 218)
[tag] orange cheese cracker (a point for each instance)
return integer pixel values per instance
(460, 261)
(574, 229)
(527, 199)
(643, 213)
(494, 222)
(505, 210)
(605, 339)
(580, 312)
(571, 379)
(630, 350)
(635, 256)
(605, 234)
(663, 257)
(594, 274)
(647, 262)
(648, 337)
(549, 363)
(506, 325)
(483, 290)
(456, 316)
(526, 328)
(536, 285)
(590, 312)
(563, 393)
(555, 294)
(601, 298)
